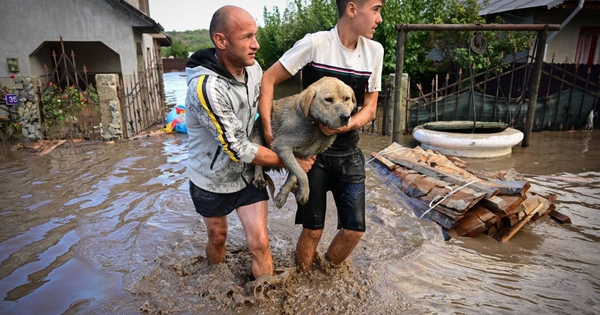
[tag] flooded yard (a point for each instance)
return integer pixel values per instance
(110, 229)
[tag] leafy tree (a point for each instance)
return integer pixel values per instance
(186, 41)
(281, 31)
(299, 18)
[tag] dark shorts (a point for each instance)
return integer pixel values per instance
(345, 178)
(209, 204)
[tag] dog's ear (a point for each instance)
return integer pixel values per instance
(354, 100)
(306, 99)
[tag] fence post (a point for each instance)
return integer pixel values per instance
(110, 107)
(398, 128)
(535, 85)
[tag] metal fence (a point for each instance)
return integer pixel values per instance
(69, 106)
(142, 99)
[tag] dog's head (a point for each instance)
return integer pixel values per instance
(329, 101)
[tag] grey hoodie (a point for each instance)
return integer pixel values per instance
(220, 114)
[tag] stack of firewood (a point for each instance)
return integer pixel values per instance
(464, 202)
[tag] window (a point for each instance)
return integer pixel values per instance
(588, 46)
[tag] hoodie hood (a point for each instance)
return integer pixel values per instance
(202, 62)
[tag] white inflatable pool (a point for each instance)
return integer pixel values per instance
(473, 145)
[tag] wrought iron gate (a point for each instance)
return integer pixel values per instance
(142, 99)
(567, 94)
(69, 106)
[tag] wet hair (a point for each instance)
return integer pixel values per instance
(343, 4)
(219, 21)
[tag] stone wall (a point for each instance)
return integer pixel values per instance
(107, 86)
(28, 107)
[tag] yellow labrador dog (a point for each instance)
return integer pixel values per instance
(294, 123)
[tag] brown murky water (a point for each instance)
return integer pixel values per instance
(99, 229)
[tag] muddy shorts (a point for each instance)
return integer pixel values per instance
(209, 204)
(345, 178)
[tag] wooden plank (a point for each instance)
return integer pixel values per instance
(513, 230)
(417, 185)
(484, 214)
(50, 149)
(541, 214)
(428, 188)
(461, 200)
(510, 220)
(448, 212)
(440, 218)
(387, 163)
(562, 218)
(510, 187)
(512, 202)
(441, 175)
(416, 205)
(470, 225)
(494, 203)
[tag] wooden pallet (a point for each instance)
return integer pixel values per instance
(465, 203)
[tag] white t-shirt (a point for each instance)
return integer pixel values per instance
(322, 54)
(323, 51)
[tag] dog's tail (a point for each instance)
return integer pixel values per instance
(270, 185)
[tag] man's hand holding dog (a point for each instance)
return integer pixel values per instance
(328, 131)
(306, 164)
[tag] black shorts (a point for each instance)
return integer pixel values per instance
(345, 177)
(209, 204)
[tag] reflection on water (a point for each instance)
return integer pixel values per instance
(99, 229)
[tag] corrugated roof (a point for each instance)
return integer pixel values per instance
(497, 6)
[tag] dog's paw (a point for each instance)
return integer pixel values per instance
(260, 183)
(280, 199)
(302, 196)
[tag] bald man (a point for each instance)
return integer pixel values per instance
(221, 102)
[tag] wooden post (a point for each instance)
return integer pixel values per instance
(535, 85)
(401, 38)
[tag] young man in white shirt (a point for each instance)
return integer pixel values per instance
(348, 53)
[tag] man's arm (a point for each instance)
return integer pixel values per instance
(266, 157)
(271, 78)
(363, 117)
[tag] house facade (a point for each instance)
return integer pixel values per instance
(107, 36)
(577, 41)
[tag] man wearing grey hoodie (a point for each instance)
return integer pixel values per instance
(221, 103)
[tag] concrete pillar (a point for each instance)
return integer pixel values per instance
(391, 103)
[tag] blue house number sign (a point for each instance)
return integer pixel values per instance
(11, 99)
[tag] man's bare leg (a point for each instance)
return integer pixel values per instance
(342, 245)
(254, 221)
(306, 248)
(216, 227)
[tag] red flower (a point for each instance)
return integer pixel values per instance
(12, 76)
(50, 83)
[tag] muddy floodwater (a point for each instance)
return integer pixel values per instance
(110, 229)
